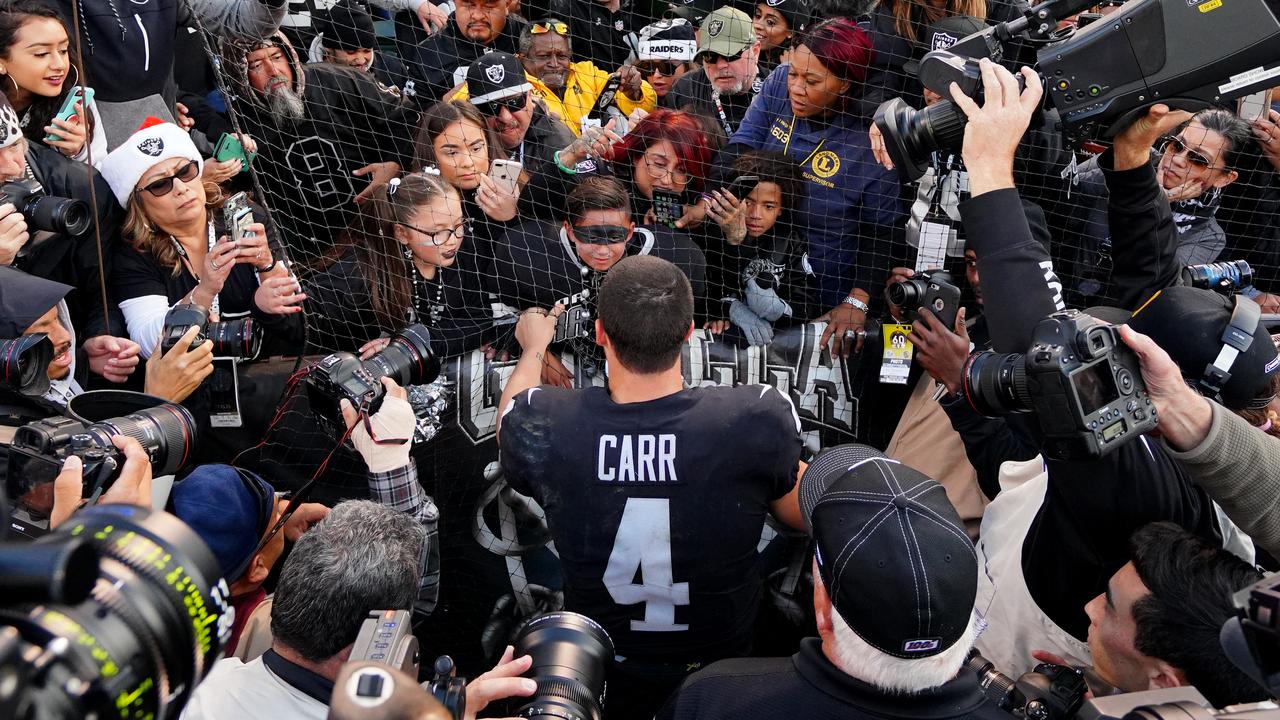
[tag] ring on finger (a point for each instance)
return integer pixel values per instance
(215, 265)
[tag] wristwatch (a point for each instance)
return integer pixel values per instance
(855, 302)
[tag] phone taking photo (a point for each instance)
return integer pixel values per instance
(237, 216)
(668, 207)
(229, 147)
(506, 173)
(1254, 107)
(742, 186)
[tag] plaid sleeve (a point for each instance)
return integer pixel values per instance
(399, 489)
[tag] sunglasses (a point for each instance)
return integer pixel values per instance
(666, 68)
(711, 58)
(600, 234)
(1173, 145)
(164, 186)
(514, 104)
(558, 28)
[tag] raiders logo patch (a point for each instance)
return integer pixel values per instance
(495, 73)
(618, 25)
(151, 146)
(714, 27)
(757, 85)
(942, 41)
(774, 3)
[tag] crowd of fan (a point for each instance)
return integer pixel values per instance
(456, 170)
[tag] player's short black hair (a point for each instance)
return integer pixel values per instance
(597, 192)
(646, 308)
(1191, 583)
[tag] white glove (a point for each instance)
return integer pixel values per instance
(393, 421)
(766, 303)
(757, 330)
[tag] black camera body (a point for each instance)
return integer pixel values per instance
(407, 359)
(240, 338)
(24, 364)
(1047, 692)
(45, 212)
(1081, 381)
(930, 290)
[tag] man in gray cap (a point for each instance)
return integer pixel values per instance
(730, 55)
(894, 583)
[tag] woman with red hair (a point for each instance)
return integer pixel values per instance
(852, 206)
(667, 150)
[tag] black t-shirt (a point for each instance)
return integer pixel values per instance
(656, 507)
(776, 261)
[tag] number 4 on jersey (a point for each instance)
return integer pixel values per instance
(644, 543)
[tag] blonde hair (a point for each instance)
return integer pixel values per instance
(143, 236)
(904, 14)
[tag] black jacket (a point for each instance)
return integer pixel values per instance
(808, 683)
(440, 62)
(775, 260)
(543, 197)
(693, 91)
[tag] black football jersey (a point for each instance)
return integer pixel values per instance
(657, 507)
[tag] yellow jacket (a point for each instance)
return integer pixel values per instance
(581, 86)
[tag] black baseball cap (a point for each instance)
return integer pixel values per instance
(496, 76)
(945, 33)
(891, 549)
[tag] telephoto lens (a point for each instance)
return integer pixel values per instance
(571, 656)
(43, 212)
(912, 136)
(155, 621)
(999, 688)
(996, 383)
(240, 338)
(1227, 276)
(24, 364)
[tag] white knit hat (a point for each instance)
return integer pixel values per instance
(154, 142)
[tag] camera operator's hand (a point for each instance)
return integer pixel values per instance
(537, 328)
(1267, 131)
(132, 487)
(878, 150)
(1132, 147)
(941, 352)
(503, 681)
(13, 233)
(845, 325)
(111, 357)
(388, 448)
(896, 276)
(176, 374)
(1185, 416)
(994, 130)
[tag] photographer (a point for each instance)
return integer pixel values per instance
(361, 557)
(650, 474)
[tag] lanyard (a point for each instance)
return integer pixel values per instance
(724, 119)
(214, 307)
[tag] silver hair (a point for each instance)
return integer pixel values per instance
(286, 105)
(363, 556)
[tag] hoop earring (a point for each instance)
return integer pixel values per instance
(15, 83)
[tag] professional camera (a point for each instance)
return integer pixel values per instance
(571, 655)
(1079, 378)
(44, 212)
(1049, 692)
(1177, 703)
(1226, 277)
(128, 636)
(24, 364)
(241, 338)
(386, 637)
(167, 432)
(931, 290)
(1101, 77)
(407, 359)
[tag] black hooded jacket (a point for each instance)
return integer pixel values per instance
(434, 64)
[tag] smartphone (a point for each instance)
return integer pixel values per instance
(237, 216)
(68, 110)
(1255, 106)
(668, 207)
(506, 173)
(229, 147)
(605, 98)
(742, 186)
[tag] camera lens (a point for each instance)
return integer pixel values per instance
(60, 215)
(996, 686)
(24, 363)
(996, 383)
(407, 358)
(235, 338)
(571, 655)
(905, 294)
(154, 624)
(912, 136)
(167, 432)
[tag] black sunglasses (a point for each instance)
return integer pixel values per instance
(164, 185)
(711, 58)
(493, 108)
(666, 68)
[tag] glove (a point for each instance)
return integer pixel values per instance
(757, 330)
(393, 421)
(766, 303)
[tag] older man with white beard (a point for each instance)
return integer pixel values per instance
(730, 56)
(327, 135)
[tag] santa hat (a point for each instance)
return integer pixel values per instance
(153, 143)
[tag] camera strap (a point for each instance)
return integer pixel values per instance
(1236, 339)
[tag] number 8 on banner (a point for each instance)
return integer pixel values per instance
(643, 543)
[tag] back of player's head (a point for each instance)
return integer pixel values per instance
(646, 309)
(597, 193)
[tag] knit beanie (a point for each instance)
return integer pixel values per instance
(153, 143)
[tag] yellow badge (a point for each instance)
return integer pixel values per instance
(826, 164)
(1211, 5)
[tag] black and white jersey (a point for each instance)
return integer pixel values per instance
(657, 507)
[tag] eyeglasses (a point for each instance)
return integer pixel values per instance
(1173, 145)
(558, 28)
(164, 186)
(666, 68)
(440, 237)
(659, 169)
(514, 104)
(711, 58)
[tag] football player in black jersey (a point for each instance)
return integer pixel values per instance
(656, 494)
